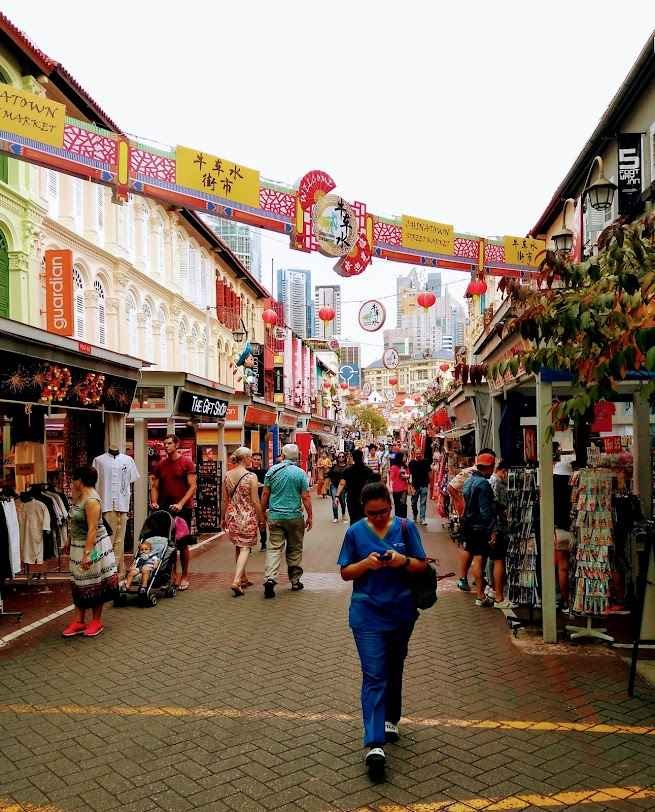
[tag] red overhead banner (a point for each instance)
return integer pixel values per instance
(59, 291)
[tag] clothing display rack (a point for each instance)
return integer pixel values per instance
(522, 547)
(7, 565)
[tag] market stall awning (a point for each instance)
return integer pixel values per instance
(456, 433)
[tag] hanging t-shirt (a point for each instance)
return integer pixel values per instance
(33, 522)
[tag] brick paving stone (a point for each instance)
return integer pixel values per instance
(274, 722)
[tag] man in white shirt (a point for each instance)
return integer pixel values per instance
(116, 473)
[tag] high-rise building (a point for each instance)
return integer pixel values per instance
(350, 363)
(244, 241)
(294, 291)
(327, 296)
(423, 329)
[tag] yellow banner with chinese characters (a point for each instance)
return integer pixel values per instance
(216, 176)
(524, 251)
(426, 235)
(31, 116)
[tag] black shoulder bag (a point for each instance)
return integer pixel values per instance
(423, 585)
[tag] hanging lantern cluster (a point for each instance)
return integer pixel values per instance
(393, 381)
(343, 385)
(269, 317)
(440, 419)
(426, 299)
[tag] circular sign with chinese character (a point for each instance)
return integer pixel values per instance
(366, 389)
(390, 358)
(389, 394)
(333, 344)
(372, 316)
(335, 226)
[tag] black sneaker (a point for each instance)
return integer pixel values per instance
(269, 589)
(375, 762)
(297, 586)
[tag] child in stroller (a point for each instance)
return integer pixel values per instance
(155, 563)
(143, 566)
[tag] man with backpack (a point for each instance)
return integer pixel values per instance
(479, 521)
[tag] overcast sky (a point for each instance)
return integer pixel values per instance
(465, 112)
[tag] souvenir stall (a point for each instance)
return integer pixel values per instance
(193, 409)
(61, 402)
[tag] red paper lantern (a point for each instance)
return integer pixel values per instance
(326, 314)
(444, 367)
(326, 385)
(478, 287)
(426, 299)
(343, 385)
(393, 381)
(269, 317)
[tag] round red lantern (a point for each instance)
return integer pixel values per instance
(326, 385)
(326, 314)
(478, 287)
(269, 317)
(444, 367)
(343, 385)
(393, 381)
(426, 299)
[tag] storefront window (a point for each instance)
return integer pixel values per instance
(150, 397)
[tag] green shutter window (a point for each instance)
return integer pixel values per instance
(4, 168)
(4, 276)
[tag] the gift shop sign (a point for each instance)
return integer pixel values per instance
(59, 291)
(200, 405)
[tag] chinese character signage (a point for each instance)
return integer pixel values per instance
(524, 251)
(427, 235)
(59, 291)
(31, 116)
(335, 226)
(629, 148)
(372, 316)
(216, 176)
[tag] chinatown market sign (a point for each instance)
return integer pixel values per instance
(390, 358)
(335, 226)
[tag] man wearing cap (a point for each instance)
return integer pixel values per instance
(286, 492)
(479, 520)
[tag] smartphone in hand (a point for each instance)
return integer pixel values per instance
(385, 556)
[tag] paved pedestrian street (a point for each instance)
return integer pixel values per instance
(208, 702)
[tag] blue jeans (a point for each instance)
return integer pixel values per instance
(382, 655)
(420, 502)
(336, 501)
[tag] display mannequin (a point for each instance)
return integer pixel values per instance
(116, 473)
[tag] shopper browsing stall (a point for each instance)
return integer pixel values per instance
(498, 546)
(479, 521)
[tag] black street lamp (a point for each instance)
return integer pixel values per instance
(563, 239)
(599, 192)
(238, 334)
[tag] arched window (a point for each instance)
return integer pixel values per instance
(102, 312)
(183, 347)
(182, 263)
(163, 341)
(195, 336)
(130, 313)
(4, 276)
(78, 302)
(204, 281)
(148, 342)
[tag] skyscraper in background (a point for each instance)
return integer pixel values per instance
(350, 363)
(294, 292)
(422, 332)
(327, 296)
(244, 241)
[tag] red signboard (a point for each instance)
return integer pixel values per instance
(82, 346)
(257, 416)
(59, 291)
(232, 414)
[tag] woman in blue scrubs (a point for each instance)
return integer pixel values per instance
(377, 553)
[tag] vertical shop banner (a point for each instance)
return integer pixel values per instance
(278, 379)
(629, 161)
(297, 373)
(258, 369)
(288, 368)
(59, 291)
(306, 376)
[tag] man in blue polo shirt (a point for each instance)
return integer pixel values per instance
(286, 492)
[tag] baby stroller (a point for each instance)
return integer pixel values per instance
(159, 530)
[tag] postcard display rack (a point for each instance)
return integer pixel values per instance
(592, 503)
(522, 548)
